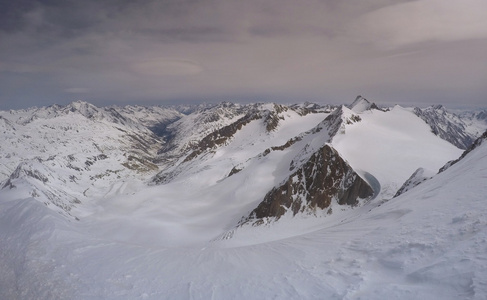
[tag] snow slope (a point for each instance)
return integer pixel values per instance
(429, 243)
(65, 156)
(391, 145)
(179, 241)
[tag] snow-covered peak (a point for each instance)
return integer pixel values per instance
(361, 104)
(81, 105)
(84, 108)
(438, 107)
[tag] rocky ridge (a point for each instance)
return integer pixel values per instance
(323, 179)
(446, 125)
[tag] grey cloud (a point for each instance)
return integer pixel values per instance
(420, 21)
(77, 90)
(167, 67)
(277, 50)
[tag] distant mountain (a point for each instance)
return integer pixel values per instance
(361, 104)
(446, 125)
(65, 156)
(481, 140)
(419, 175)
(204, 131)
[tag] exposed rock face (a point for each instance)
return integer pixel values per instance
(311, 108)
(323, 178)
(446, 125)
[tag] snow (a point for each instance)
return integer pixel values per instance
(360, 105)
(429, 243)
(179, 241)
(382, 145)
(476, 122)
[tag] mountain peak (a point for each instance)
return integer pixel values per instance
(361, 104)
(84, 108)
(438, 107)
(79, 104)
(358, 99)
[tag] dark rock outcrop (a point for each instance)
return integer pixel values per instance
(323, 178)
(220, 136)
(417, 178)
(446, 125)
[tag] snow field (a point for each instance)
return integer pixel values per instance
(382, 145)
(178, 241)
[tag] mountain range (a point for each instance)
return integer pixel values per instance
(239, 200)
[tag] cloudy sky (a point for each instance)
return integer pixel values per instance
(183, 51)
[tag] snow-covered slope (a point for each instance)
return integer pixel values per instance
(64, 156)
(230, 140)
(391, 145)
(475, 121)
(428, 243)
(181, 239)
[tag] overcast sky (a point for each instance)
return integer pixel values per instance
(166, 52)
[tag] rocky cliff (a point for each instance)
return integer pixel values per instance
(324, 178)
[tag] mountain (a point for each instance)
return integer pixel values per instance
(361, 104)
(324, 178)
(446, 125)
(98, 147)
(475, 121)
(419, 175)
(66, 155)
(261, 200)
(252, 128)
